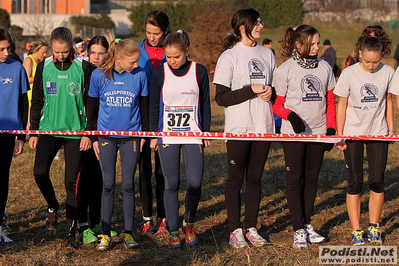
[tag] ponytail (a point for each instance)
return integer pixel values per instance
(374, 38)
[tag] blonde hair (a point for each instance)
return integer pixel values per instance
(36, 45)
(121, 48)
(109, 36)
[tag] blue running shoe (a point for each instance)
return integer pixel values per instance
(357, 238)
(374, 235)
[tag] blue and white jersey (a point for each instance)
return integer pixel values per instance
(119, 99)
(13, 83)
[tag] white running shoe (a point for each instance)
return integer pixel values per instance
(300, 239)
(312, 236)
(4, 239)
(237, 239)
(255, 239)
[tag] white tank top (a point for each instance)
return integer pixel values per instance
(180, 97)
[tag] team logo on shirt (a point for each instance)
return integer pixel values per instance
(73, 88)
(369, 92)
(311, 86)
(256, 69)
(51, 87)
(4, 81)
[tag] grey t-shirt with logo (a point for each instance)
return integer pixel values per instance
(366, 93)
(305, 92)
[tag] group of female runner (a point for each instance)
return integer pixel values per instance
(152, 86)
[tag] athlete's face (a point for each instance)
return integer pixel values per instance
(127, 63)
(4, 46)
(97, 54)
(370, 59)
(315, 45)
(41, 53)
(154, 34)
(175, 56)
(60, 50)
(257, 30)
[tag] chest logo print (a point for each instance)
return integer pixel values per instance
(368, 92)
(256, 69)
(73, 88)
(4, 81)
(311, 86)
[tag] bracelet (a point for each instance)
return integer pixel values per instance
(390, 130)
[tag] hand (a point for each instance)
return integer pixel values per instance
(267, 94)
(33, 142)
(207, 143)
(153, 144)
(96, 149)
(296, 123)
(258, 88)
(391, 133)
(142, 141)
(342, 145)
(19, 147)
(85, 144)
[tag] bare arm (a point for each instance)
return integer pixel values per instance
(341, 116)
(28, 64)
(389, 114)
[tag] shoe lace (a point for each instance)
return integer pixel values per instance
(358, 235)
(104, 238)
(374, 232)
(239, 236)
(161, 225)
(190, 230)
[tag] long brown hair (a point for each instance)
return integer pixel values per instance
(121, 48)
(374, 38)
(303, 35)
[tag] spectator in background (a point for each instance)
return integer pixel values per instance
(351, 60)
(268, 43)
(330, 56)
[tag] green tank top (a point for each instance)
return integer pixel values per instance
(63, 91)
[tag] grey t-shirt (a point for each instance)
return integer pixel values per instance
(394, 86)
(305, 92)
(366, 93)
(244, 66)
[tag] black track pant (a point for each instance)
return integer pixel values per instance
(303, 163)
(145, 186)
(90, 189)
(244, 157)
(46, 149)
(7, 143)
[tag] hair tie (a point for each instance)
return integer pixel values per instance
(372, 35)
(179, 31)
(235, 35)
(294, 28)
(117, 40)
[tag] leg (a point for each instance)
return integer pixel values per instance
(170, 160)
(377, 154)
(160, 187)
(130, 151)
(96, 184)
(294, 153)
(7, 143)
(256, 165)
(145, 173)
(237, 156)
(108, 154)
(46, 149)
(354, 155)
(193, 155)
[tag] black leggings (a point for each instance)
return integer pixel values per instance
(7, 143)
(47, 148)
(244, 157)
(303, 163)
(377, 156)
(145, 187)
(90, 189)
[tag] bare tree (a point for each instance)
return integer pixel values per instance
(341, 8)
(40, 24)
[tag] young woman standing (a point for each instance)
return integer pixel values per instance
(14, 85)
(305, 100)
(118, 100)
(90, 180)
(152, 55)
(58, 104)
(243, 77)
(180, 102)
(365, 108)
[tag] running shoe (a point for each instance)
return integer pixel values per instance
(4, 239)
(237, 239)
(5, 226)
(147, 228)
(300, 239)
(255, 239)
(70, 242)
(98, 230)
(357, 238)
(51, 220)
(188, 229)
(174, 240)
(374, 235)
(312, 236)
(129, 241)
(161, 227)
(105, 243)
(87, 236)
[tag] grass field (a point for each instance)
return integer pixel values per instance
(35, 245)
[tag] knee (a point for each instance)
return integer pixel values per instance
(355, 188)
(194, 188)
(108, 188)
(377, 187)
(128, 189)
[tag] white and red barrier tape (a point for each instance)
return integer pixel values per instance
(212, 135)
